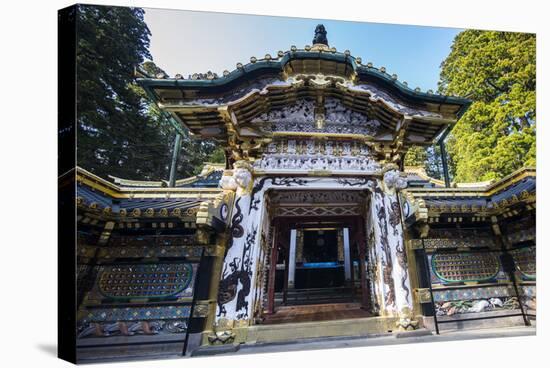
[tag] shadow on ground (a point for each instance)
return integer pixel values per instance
(50, 349)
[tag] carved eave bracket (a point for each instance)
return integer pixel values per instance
(214, 214)
(242, 146)
(415, 211)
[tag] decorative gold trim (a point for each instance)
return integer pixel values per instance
(114, 191)
(479, 191)
(361, 137)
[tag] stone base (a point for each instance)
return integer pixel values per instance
(413, 333)
(319, 329)
(455, 322)
(210, 350)
(119, 348)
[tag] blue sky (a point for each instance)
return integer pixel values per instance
(188, 42)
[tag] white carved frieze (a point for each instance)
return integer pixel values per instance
(319, 147)
(300, 112)
(336, 112)
(291, 146)
(300, 117)
(308, 155)
(286, 162)
(300, 197)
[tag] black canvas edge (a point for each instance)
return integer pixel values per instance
(66, 145)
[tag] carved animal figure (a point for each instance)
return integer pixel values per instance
(245, 274)
(479, 306)
(228, 287)
(236, 228)
(176, 326)
(90, 329)
(389, 297)
(402, 260)
(244, 277)
(395, 217)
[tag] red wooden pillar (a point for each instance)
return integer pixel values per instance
(285, 283)
(361, 244)
(272, 271)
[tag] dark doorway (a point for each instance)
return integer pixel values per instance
(311, 252)
(320, 267)
(320, 246)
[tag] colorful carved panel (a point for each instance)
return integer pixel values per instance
(454, 233)
(529, 290)
(136, 314)
(160, 240)
(522, 235)
(439, 243)
(150, 252)
(474, 293)
(147, 280)
(526, 262)
(132, 329)
(107, 322)
(461, 267)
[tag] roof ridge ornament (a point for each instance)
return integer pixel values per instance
(320, 37)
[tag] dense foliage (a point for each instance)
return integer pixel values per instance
(427, 157)
(120, 132)
(496, 136)
(497, 70)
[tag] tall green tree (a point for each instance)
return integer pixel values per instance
(120, 131)
(416, 156)
(497, 70)
(427, 157)
(194, 152)
(111, 120)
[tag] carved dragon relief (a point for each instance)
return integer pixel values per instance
(239, 273)
(387, 262)
(388, 211)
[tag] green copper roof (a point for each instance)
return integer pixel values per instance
(271, 65)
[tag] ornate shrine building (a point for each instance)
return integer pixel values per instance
(312, 228)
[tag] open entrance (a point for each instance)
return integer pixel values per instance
(317, 264)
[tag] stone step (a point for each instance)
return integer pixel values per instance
(316, 296)
(369, 326)
(339, 289)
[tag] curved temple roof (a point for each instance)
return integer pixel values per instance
(217, 107)
(503, 197)
(208, 178)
